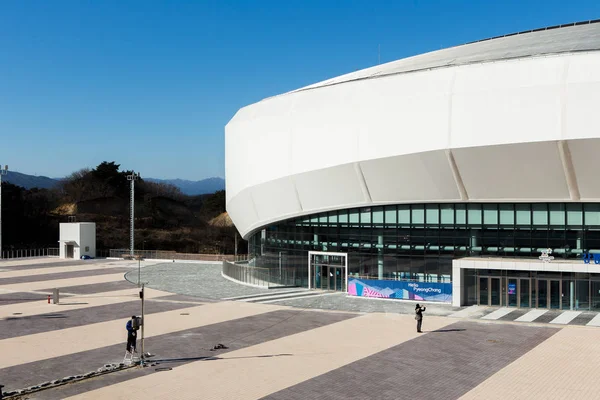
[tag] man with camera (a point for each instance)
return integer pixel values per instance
(132, 327)
(419, 316)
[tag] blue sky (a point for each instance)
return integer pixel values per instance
(151, 84)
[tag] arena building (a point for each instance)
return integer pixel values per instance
(465, 175)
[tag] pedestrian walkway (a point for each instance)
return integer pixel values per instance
(374, 352)
(556, 317)
(276, 295)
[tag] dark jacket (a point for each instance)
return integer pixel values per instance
(129, 327)
(419, 313)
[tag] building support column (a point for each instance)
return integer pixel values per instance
(380, 257)
(474, 241)
(457, 284)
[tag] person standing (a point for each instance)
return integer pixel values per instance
(131, 334)
(419, 316)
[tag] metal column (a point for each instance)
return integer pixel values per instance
(2, 172)
(132, 178)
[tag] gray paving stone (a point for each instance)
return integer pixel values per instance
(61, 275)
(200, 280)
(21, 297)
(51, 321)
(97, 287)
(39, 265)
(443, 364)
(514, 314)
(181, 297)
(343, 302)
(583, 318)
(547, 317)
(171, 350)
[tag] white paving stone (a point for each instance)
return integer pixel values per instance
(531, 316)
(595, 321)
(499, 313)
(565, 317)
(467, 312)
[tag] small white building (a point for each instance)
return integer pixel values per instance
(77, 239)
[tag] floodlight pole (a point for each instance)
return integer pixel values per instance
(143, 323)
(132, 178)
(2, 172)
(139, 270)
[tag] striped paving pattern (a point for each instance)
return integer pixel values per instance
(280, 295)
(544, 316)
(277, 352)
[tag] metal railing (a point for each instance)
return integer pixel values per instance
(29, 253)
(173, 255)
(263, 277)
(426, 278)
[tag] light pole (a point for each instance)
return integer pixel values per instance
(139, 270)
(132, 178)
(143, 323)
(2, 172)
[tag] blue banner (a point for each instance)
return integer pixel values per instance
(421, 291)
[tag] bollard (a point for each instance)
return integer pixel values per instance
(55, 295)
(48, 299)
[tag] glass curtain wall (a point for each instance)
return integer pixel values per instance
(419, 241)
(525, 289)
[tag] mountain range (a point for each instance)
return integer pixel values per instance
(191, 188)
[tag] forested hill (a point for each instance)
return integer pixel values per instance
(166, 218)
(192, 188)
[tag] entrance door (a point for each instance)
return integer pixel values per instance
(484, 291)
(495, 292)
(512, 299)
(328, 271)
(69, 251)
(524, 293)
(542, 293)
(337, 279)
(555, 297)
(568, 294)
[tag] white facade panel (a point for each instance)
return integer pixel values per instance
(325, 128)
(514, 115)
(87, 232)
(507, 76)
(502, 121)
(531, 171)
(241, 210)
(581, 111)
(397, 114)
(265, 130)
(584, 155)
(330, 188)
(276, 199)
(412, 178)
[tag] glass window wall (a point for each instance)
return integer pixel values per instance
(418, 234)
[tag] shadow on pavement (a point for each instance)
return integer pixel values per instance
(213, 358)
(448, 330)
(42, 316)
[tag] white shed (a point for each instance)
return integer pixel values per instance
(77, 239)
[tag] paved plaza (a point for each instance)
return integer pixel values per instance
(277, 344)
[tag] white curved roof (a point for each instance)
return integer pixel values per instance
(523, 128)
(571, 38)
